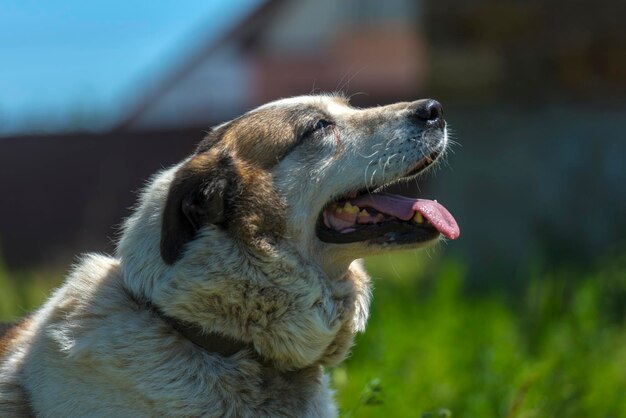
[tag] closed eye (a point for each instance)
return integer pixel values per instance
(320, 125)
(312, 129)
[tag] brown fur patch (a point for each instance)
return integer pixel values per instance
(197, 197)
(264, 136)
(251, 145)
(216, 188)
(258, 213)
(9, 333)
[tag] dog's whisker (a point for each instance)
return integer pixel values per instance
(387, 163)
(368, 156)
(372, 178)
(365, 178)
(384, 168)
(347, 82)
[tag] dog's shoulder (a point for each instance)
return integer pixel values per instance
(9, 332)
(5, 328)
(13, 400)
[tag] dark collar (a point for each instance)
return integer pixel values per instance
(211, 342)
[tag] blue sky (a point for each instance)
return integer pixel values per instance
(71, 60)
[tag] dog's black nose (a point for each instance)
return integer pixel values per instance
(429, 112)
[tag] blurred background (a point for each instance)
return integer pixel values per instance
(523, 316)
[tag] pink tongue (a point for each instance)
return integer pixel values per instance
(404, 208)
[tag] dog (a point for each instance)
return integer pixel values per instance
(236, 278)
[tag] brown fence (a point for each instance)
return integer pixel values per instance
(62, 195)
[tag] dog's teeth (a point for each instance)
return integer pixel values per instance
(418, 218)
(348, 208)
(363, 213)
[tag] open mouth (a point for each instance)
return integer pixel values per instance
(379, 217)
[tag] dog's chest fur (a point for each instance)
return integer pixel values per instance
(93, 351)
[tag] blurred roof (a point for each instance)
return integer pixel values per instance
(241, 28)
(276, 50)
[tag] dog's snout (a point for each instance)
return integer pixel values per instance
(428, 112)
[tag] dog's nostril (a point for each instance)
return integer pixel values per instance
(429, 111)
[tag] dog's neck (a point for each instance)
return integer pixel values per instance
(211, 342)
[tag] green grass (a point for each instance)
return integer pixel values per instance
(21, 292)
(557, 349)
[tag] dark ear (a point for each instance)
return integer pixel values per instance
(197, 197)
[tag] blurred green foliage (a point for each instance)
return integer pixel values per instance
(23, 291)
(556, 350)
(433, 350)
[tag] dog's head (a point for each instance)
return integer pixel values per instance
(254, 235)
(312, 171)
